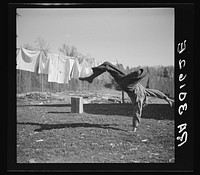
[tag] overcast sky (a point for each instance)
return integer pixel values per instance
(133, 36)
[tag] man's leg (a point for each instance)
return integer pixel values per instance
(106, 66)
(122, 80)
(137, 112)
(96, 72)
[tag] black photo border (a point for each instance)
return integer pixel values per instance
(184, 15)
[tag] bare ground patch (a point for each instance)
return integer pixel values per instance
(50, 133)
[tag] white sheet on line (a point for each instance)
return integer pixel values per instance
(28, 60)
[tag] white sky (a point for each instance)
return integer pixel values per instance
(133, 36)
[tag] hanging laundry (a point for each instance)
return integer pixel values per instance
(86, 69)
(94, 63)
(64, 68)
(75, 70)
(71, 63)
(28, 60)
(17, 52)
(61, 69)
(43, 64)
(114, 62)
(53, 68)
(29, 56)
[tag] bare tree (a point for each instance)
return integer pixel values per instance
(165, 72)
(65, 49)
(69, 50)
(74, 52)
(29, 47)
(42, 45)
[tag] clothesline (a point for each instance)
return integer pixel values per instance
(60, 68)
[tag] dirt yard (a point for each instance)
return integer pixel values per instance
(50, 133)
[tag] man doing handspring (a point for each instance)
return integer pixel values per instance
(129, 83)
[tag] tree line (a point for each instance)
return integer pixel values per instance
(159, 77)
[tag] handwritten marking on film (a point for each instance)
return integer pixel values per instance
(182, 96)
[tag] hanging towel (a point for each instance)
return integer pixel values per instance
(86, 69)
(75, 70)
(29, 56)
(53, 68)
(43, 64)
(28, 60)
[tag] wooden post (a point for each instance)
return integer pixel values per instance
(20, 81)
(30, 82)
(77, 105)
(42, 82)
(122, 96)
(57, 85)
(50, 91)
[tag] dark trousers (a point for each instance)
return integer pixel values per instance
(123, 80)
